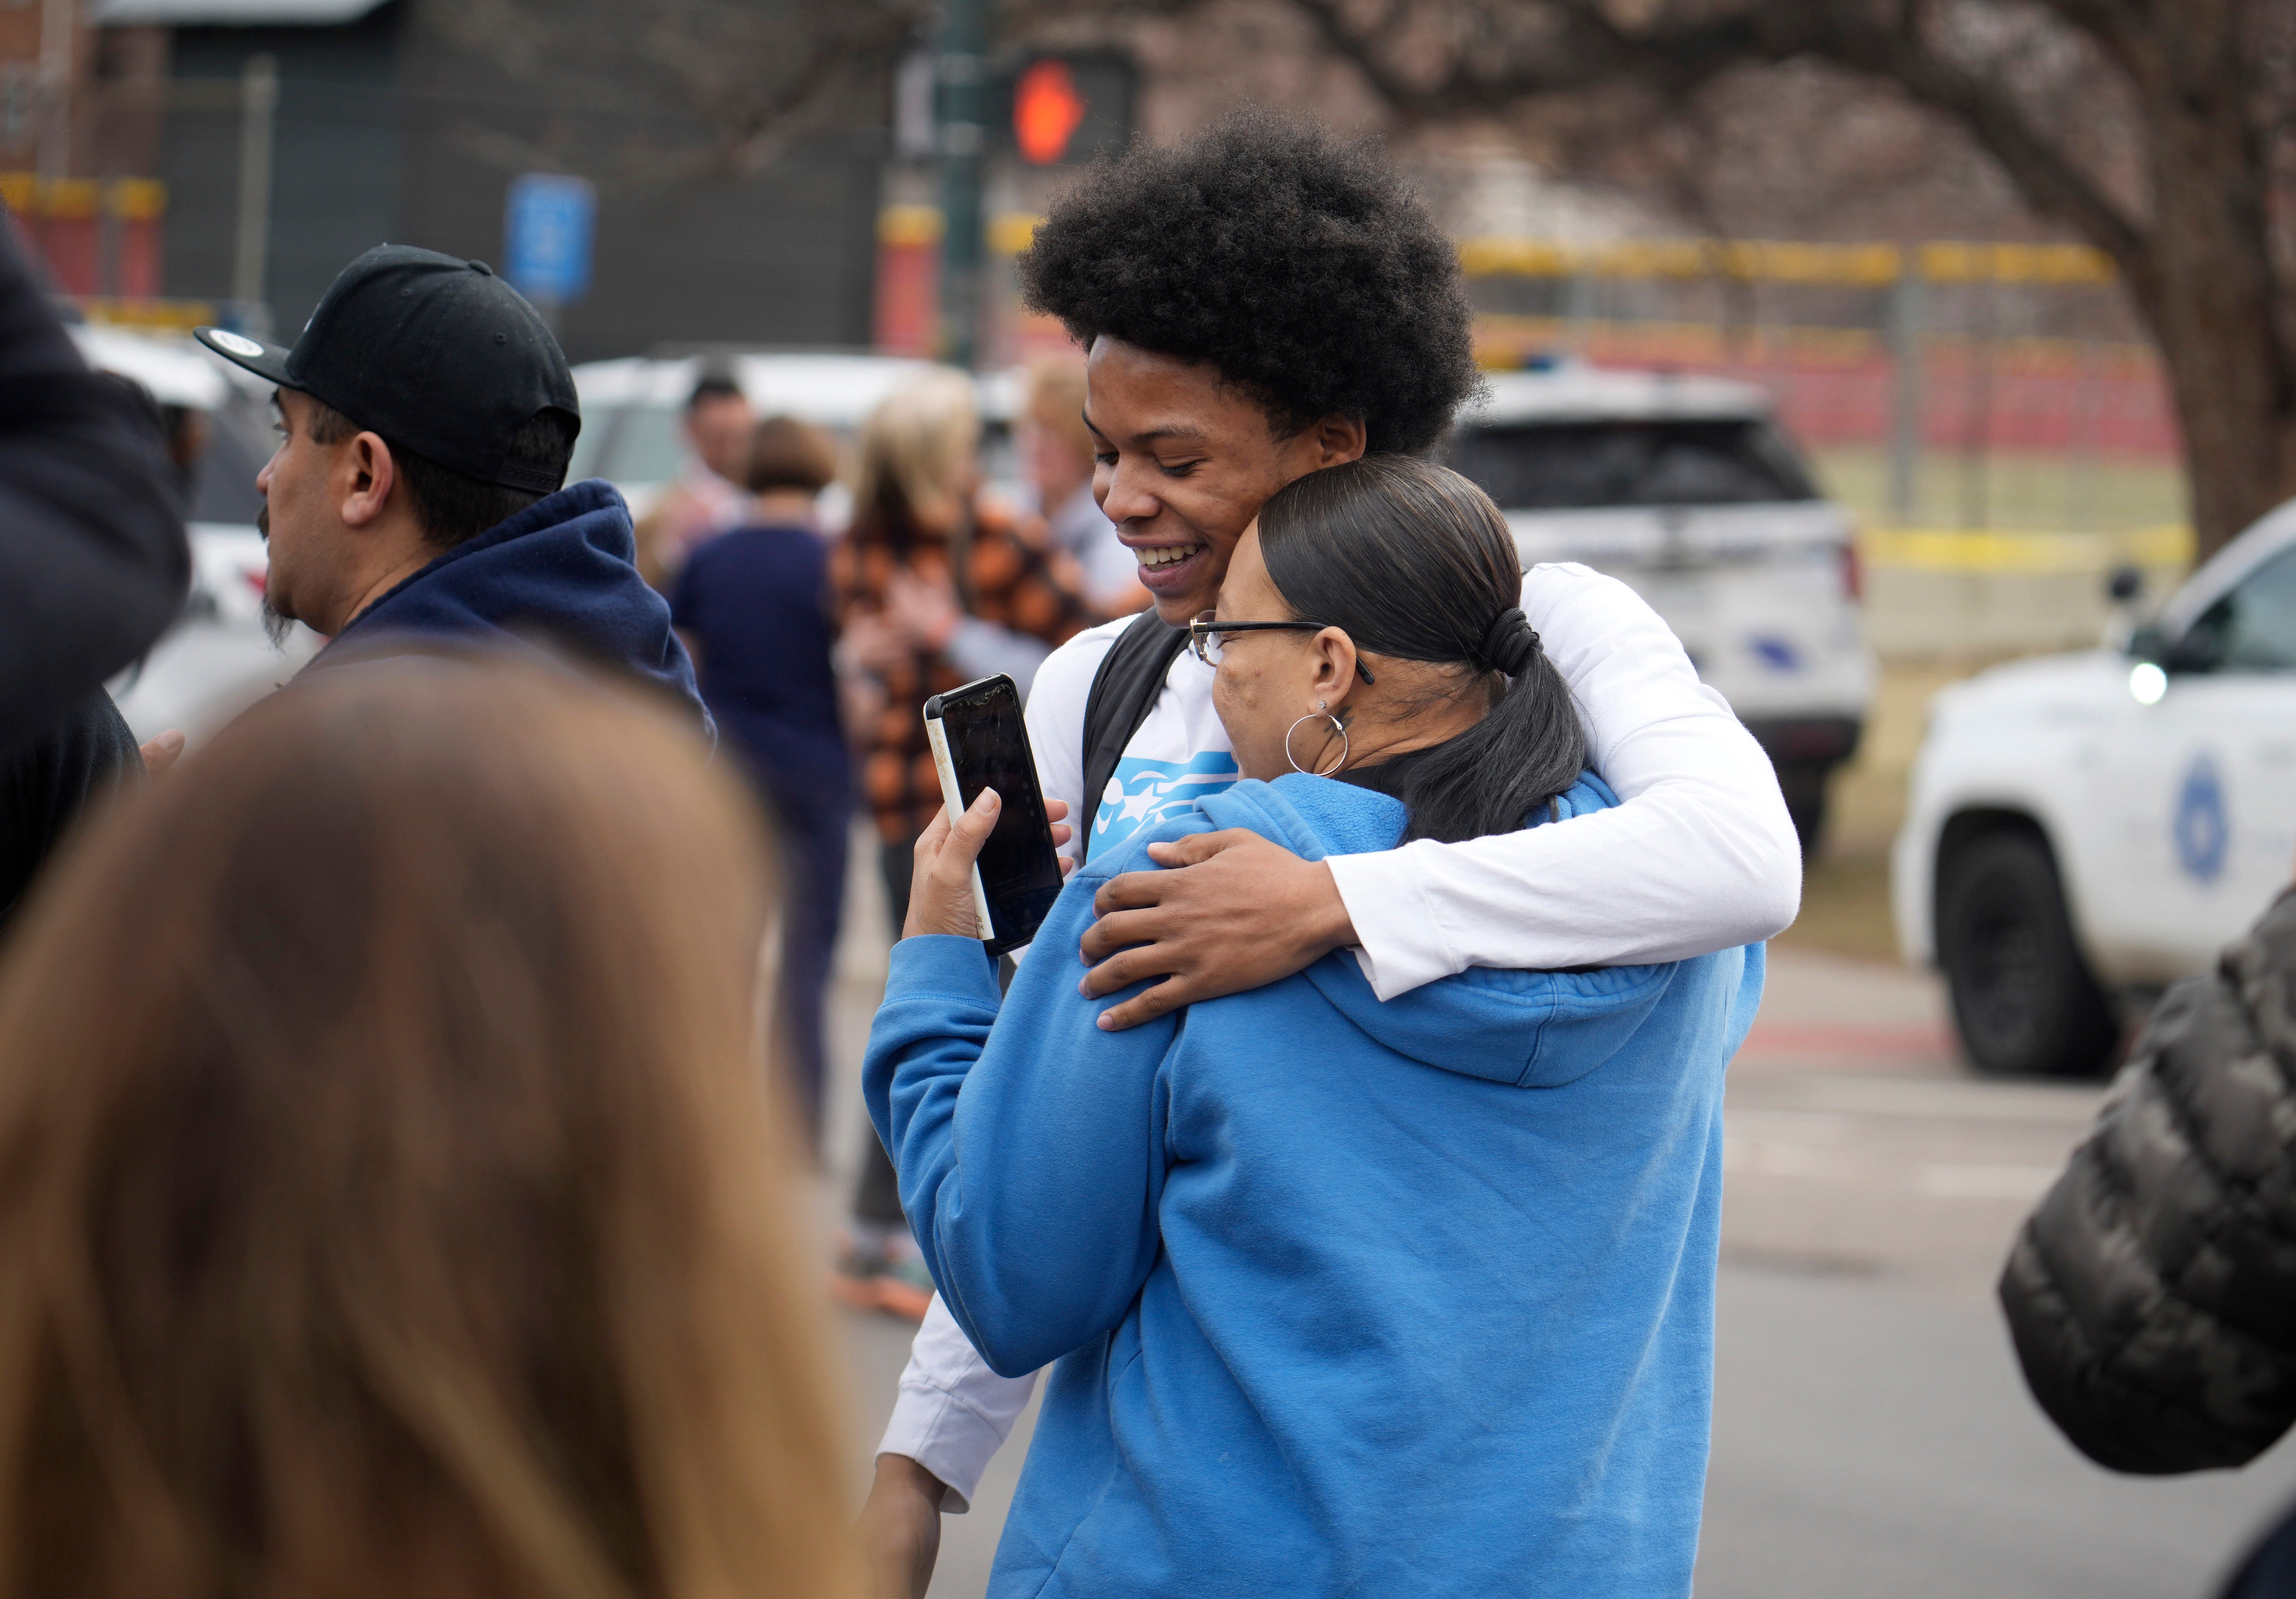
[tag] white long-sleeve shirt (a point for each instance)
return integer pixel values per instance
(1701, 855)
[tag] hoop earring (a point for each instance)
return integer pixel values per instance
(1294, 760)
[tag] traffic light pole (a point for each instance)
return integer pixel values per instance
(962, 52)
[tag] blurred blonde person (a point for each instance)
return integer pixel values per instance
(422, 1226)
(934, 585)
(1056, 454)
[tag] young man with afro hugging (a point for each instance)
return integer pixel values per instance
(1256, 305)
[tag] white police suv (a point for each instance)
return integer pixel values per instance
(1684, 488)
(2085, 827)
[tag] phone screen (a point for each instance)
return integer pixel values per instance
(988, 746)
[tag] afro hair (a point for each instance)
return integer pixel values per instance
(1302, 269)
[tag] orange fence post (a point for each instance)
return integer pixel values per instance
(907, 312)
(140, 205)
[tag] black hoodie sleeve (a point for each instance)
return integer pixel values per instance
(93, 563)
(80, 763)
(2152, 1295)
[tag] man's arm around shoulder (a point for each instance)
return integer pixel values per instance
(1700, 855)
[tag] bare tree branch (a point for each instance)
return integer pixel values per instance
(717, 84)
(2052, 182)
(1589, 50)
(2161, 131)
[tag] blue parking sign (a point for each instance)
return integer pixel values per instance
(546, 227)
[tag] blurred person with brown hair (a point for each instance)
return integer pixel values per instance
(935, 585)
(1056, 452)
(753, 607)
(425, 1225)
(707, 496)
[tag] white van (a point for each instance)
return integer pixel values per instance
(633, 408)
(1684, 487)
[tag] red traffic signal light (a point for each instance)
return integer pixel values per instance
(1072, 105)
(1047, 111)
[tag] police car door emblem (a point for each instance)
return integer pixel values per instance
(2204, 833)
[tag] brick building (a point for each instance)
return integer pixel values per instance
(79, 130)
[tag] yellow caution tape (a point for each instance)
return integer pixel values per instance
(909, 226)
(1783, 261)
(1942, 550)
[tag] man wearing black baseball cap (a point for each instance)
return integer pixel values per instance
(426, 420)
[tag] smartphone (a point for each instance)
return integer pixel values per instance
(979, 742)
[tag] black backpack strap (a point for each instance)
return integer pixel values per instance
(1124, 690)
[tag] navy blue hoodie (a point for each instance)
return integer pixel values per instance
(560, 573)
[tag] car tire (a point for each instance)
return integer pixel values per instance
(1803, 785)
(2024, 1001)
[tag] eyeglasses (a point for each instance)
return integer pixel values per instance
(1206, 634)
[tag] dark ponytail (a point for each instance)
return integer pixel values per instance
(1414, 560)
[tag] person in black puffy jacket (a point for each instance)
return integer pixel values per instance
(2152, 1294)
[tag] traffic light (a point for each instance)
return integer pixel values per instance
(1072, 105)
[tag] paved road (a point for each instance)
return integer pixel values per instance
(1873, 1438)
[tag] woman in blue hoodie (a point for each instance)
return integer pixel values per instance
(1347, 1296)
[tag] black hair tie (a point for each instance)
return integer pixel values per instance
(1509, 644)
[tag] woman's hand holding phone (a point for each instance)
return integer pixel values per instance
(940, 891)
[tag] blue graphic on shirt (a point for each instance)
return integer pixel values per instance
(2203, 831)
(1144, 792)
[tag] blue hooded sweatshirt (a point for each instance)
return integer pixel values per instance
(561, 573)
(1413, 1297)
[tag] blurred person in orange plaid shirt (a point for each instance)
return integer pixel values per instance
(935, 584)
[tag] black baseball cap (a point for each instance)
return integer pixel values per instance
(436, 354)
